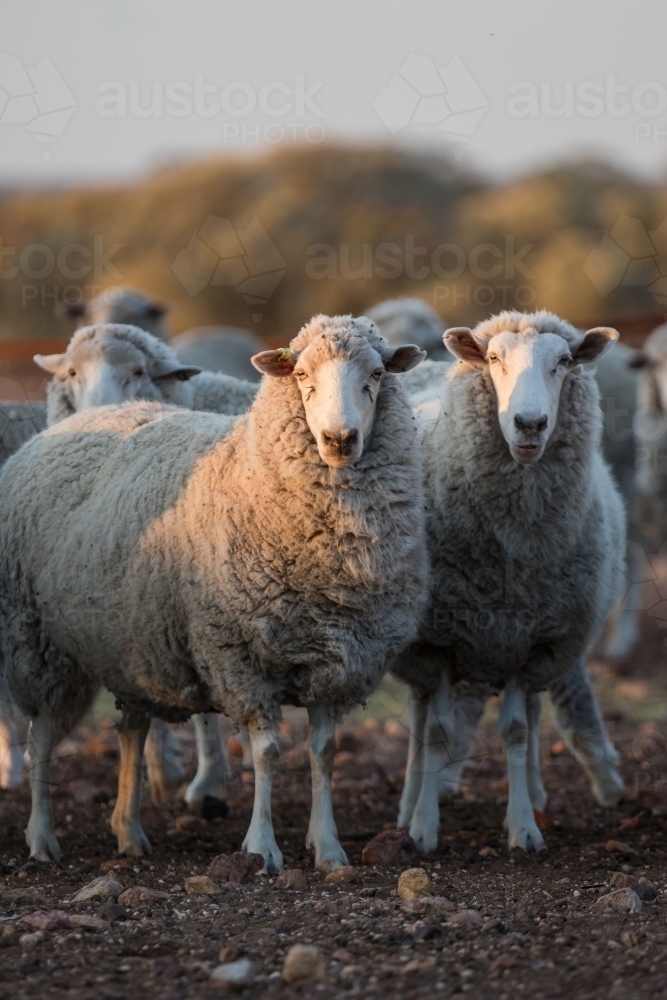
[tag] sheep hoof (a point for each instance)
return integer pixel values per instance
(48, 852)
(273, 859)
(329, 857)
(135, 844)
(426, 841)
(527, 840)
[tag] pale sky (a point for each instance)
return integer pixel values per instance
(356, 70)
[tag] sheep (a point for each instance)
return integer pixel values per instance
(112, 363)
(190, 562)
(18, 422)
(218, 349)
(651, 476)
(398, 319)
(526, 533)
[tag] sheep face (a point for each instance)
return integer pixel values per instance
(528, 370)
(339, 388)
(103, 370)
(119, 305)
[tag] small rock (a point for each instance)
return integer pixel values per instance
(294, 878)
(227, 954)
(236, 974)
(384, 893)
(235, 748)
(466, 918)
(188, 823)
(488, 852)
(232, 886)
(620, 880)
(418, 965)
(46, 922)
(557, 749)
(111, 911)
(414, 883)
(213, 808)
(501, 963)
(23, 894)
(391, 847)
(618, 847)
(201, 884)
(88, 922)
(304, 964)
(620, 901)
(138, 894)
(106, 888)
(325, 906)
(438, 907)
(647, 893)
(236, 867)
(424, 930)
(345, 875)
(343, 955)
(120, 863)
(543, 821)
(30, 940)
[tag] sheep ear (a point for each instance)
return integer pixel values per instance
(594, 344)
(70, 310)
(55, 364)
(639, 360)
(460, 341)
(403, 358)
(276, 363)
(172, 369)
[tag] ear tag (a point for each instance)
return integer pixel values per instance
(284, 353)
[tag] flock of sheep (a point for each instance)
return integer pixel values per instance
(197, 542)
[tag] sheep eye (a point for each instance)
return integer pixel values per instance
(564, 360)
(138, 373)
(301, 375)
(377, 374)
(493, 357)
(71, 373)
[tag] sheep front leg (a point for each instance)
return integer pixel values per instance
(126, 819)
(413, 771)
(439, 735)
(536, 790)
(322, 835)
(260, 838)
(520, 821)
(579, 720)
(163, 765)
(211, 773)
(40, 834)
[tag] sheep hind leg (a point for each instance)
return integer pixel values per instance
(126, 819)
(413, 772)
(260, 838)
(212, 771)
(514, 728)
(467, 711)
(536, 789)
(439, 736)
(162, 753)
(40, 834)
(580, 721)
(322, 835)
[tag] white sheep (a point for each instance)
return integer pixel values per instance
(190, 562)
(526, 533)
(398, 319)
(114, 363)
(217, 349)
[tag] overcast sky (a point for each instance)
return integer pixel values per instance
(128, 85)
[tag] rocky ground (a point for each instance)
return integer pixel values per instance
(495, 925)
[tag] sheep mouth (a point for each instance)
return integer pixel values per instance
(526, 454)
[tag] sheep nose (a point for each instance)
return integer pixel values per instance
(530, 424)
(342, 442)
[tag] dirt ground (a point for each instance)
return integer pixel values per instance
(536, 932)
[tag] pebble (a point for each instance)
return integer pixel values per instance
(40, 921)
(304, 964)
(138, 894)
(620, 880)
(647, 893)
(294, 878)
(30, 940)
(201, 884)
(466, 918)
(24, 894)
(618, 847)
(488, 852)
(429, 906)
(104, 887)
(390, 847)
(236, 867)
(237, 974)
(88, 922)
(414, 884)
(345, 875)
(227, 954)
(620, 900)
(188, 824)
(112, 911)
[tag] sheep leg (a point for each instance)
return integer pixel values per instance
(579, 719)
(439, 736)
(126, 819)
(260, 838)
(40, 834)
(211, 773)
(621, 630)
(536, 790)
(413, 772)
(322, 835)
(468, 711)
(520, 821)
(12, 761)
(162, 753)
